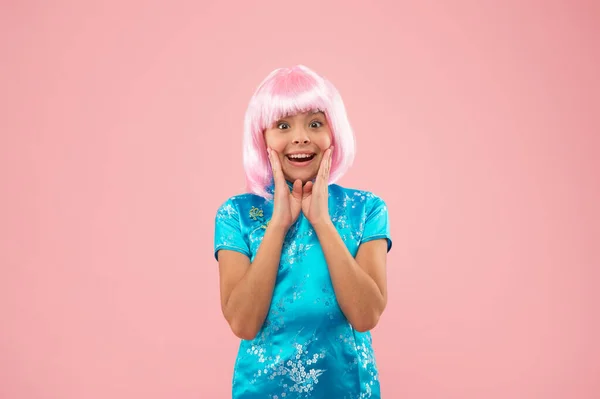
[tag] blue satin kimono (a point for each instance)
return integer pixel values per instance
(306, 347)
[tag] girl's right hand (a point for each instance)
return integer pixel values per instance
(287, 205)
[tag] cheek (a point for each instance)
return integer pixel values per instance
(274, 142)
(324, 142)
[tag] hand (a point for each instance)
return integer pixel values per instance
(315, 198)
(287, 204)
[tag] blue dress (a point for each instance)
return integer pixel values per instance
(306, 347)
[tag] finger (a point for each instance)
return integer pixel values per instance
(308, 188)
(329, 161)
(297, 189)
(270, 156)
(271, 161)
(276, 166)
(323, 166)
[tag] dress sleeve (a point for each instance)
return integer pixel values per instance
(377, 223)
(228, 231)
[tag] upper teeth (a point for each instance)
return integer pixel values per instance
(300, 155)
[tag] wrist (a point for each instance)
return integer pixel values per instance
(277, 227)
(322, 224)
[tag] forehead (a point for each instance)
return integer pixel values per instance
(307, 114)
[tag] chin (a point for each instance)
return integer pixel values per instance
(303, 178)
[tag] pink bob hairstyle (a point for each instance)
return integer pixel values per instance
(286, 92)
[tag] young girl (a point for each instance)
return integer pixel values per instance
(301, 260)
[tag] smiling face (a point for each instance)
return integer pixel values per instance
(300, 140)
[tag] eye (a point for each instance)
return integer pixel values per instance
(283, 125)
(316, 124)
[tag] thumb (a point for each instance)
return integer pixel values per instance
(308, 188)
(297, 189)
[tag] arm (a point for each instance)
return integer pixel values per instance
(247, 289)
(359, 284)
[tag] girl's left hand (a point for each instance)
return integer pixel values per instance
(315, 197)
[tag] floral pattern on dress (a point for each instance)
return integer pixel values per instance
(300, 374)
(306, 347)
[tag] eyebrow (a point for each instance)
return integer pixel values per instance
(309, 115)
(313, 114)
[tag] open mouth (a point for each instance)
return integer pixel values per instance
(300, 158)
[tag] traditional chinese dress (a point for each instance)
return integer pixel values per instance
(306, 347)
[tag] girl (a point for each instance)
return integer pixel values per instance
(301, 260)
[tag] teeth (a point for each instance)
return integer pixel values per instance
(298, 156)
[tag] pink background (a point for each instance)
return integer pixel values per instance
(477, 122)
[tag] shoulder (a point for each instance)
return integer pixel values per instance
(368, 198)
(239, 204)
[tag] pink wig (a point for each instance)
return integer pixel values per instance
(287, 92)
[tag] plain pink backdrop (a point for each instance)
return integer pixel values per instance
(476, 121)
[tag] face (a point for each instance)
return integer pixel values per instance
(300, 140)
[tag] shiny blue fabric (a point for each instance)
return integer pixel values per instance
(306, 347)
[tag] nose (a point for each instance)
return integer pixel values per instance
(301, 137)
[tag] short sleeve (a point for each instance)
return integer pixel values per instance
(377, 223)
(228, 231)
